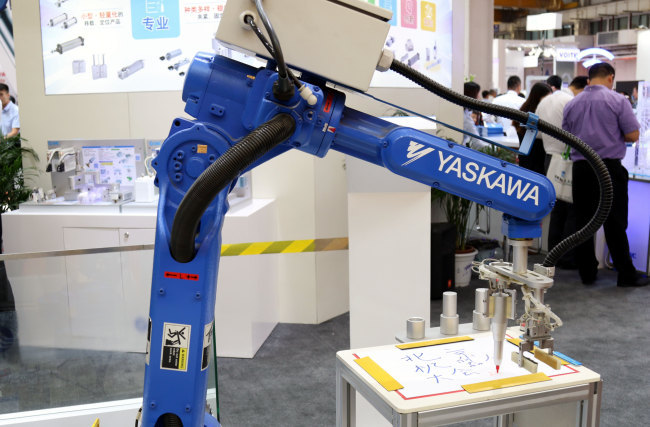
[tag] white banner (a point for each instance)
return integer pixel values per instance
(94, 46)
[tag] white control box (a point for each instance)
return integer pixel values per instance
(340, 40)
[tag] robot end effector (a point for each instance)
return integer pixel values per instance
(537, 321)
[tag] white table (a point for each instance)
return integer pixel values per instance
(584, 385)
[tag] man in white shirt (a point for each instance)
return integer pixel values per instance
(550, 109)
(10, 121)
(510, 99)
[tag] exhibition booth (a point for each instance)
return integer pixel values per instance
(192, 194)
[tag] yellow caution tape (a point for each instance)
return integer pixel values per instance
(284, 247)
(433, 342)
(506, 382)
(378, 373)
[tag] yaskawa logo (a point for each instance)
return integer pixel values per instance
(416, 151)
(472, 172)
(475, 173)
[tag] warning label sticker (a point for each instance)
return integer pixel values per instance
(175, 347)
(207, 345)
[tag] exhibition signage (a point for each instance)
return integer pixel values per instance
(95, 46)
(563, 54)
(590, 56)
(420, 36)
(544, 22)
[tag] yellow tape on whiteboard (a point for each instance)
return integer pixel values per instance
(506, 382)
(378, 373)
(433, 342)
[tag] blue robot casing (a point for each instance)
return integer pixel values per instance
(228, 100)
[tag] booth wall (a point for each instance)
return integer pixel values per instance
(311, 193)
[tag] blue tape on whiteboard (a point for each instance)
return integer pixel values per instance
(567, 358)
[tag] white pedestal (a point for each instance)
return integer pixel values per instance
(101, 301)
(389, 231)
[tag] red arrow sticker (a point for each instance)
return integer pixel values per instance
(182, 276)
(328, 103)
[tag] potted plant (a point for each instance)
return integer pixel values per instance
(457, 211)
(13, 189)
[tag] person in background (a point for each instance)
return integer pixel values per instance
(10, 121)
(578, 84)
(604, 120)
(471, 119)
(534, 161)
(486, 96)
(509, 99)
(550, 109)
(635, 97)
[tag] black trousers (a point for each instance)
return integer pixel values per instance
(562, 224)
(586, 194)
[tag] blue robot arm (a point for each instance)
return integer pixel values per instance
(229, 100)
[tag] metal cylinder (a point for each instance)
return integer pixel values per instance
(172, 54)
(499, 324)
(520, 255)
(58, 19)
(449, 317)
(480, 321)
(481, 300)
(69, 45)
(449, 325)
(179, 64)
(69, 22)
(127, 71)
(449, 303)
(415, 328)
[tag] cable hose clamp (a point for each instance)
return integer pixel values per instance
(531, 134)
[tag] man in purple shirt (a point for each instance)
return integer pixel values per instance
(604, 120)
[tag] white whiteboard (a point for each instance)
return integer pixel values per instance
(442, 369)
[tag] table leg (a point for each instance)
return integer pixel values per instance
(405, 420)
(345, 401)
(505, 420)
(593, 404)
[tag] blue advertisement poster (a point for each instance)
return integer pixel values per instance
(155, 19)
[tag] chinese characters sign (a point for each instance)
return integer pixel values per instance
(153, 19)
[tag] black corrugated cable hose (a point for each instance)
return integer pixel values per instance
(171, 420)
(219, 175)
(597, 164)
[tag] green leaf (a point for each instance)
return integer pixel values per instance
(13, 189)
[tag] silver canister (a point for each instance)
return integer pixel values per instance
(449, 317)
(481, 321)
(415, 328)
